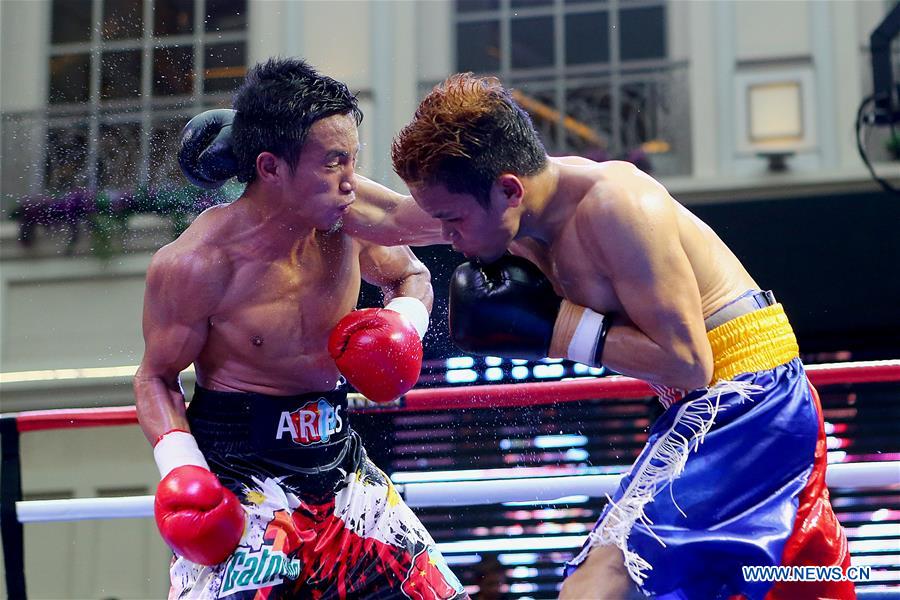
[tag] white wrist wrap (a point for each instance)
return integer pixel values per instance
(176, 449)
(412, 309)
(583, 347)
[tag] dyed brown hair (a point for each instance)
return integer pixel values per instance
(465, 134)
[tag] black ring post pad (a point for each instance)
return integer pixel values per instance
(10, 493)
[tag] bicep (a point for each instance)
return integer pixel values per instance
(175, 320)
(649, 269)
(388, 266)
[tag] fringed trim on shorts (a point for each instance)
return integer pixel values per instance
(758, 341)
(665, 462)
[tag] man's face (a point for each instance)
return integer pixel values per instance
(323, 183)
(475, 230)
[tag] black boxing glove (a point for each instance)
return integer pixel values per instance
(206, 155)
(509, 308)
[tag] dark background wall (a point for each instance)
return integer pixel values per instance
(832, 260)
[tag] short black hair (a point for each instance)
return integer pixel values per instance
(277, 104)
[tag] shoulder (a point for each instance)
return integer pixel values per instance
(195, 260)
(620, 189)
(623, 198)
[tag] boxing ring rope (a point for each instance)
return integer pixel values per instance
(458, 493)
(534, 484)
(447, 493)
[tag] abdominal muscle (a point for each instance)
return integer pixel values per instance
(270, 333)
(310, 374)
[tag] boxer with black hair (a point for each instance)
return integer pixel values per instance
(267, 490)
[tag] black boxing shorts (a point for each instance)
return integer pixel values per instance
(322, 520)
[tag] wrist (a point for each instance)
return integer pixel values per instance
(579, 334)
(177, 448)
(414, 310)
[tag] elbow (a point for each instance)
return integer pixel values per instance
(698, 375)
(695, 369)
(138, 386)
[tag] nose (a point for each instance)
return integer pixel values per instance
(348, 185)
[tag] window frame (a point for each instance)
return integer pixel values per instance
(145, 109)
(615, 73)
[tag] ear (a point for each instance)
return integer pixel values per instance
(269, 168)
(509, 190)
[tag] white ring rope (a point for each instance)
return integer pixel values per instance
(870, 475)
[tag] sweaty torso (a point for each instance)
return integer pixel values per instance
(269, 332)
(719, 274)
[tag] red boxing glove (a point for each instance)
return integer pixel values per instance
(379, 351)
(197, 517)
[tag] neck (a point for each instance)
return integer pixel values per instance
(266, 211)
(541, 220)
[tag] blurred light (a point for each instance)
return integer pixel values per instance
(835, 442)
(520, 372)
(518, 559)
(580, 369)
(545, 371)
(493, 361)
(656, 146)
(880, 515)
(461, 376)
(560, 441)
(493, 374)
(576, 454)
(464, 559)
(836, 456)
(878, 530)
(551, 361)
(522, 572)
(460, 362)
(564, 500)
(519, 361)
(595, 370)
(520, 588)
(877, 560)
(775, 112)
(889, 545)
(829, 428)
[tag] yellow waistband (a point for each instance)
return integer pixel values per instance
(757, 341)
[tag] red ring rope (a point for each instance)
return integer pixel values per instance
(482, 396)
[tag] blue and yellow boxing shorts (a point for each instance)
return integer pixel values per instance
(732, 475)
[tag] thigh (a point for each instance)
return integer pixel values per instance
(601, 575)
(400, 546)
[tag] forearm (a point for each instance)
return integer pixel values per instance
(416, 286)
(412, 297)
(414, 225)
(160, 405)
(384, 217)
(631, 352)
